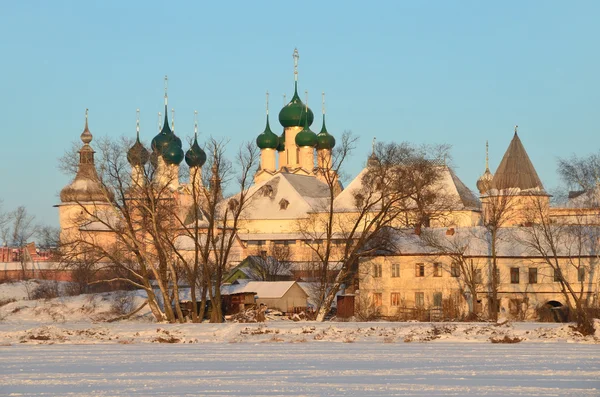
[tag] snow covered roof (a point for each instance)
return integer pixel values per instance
(475, 242)
(263, 289)
(302, 193)
(449, 184)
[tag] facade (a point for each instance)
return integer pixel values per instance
(291, 191)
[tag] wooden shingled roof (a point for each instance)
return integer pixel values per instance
(516, 170)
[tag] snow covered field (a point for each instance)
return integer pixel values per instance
(302, 369)
(64, 346)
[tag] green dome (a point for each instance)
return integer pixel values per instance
(195, 156)
(138, 155)
(164, 137)
(173, 154)
(267, 140)
(324, 139)
(295, 113)
(306, 138)
(281, 145)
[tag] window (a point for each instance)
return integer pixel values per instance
(437, 270)
(395, 299)
(514, 275)
(515, 306)
(395, 270)
(533, 275)
(581, 274)
(557, 275)
(283, 204)
(455, 270)
(419, 299)
(377, 270)
(420, 270)
(377, 299)
(437, 299)
(477, 278)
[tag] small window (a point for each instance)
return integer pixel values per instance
(581, 274)
(557, 275)
(267, 190)
(533, 275)
(514, 275)
(477, 276)
(420, 270)
(419, 299)
(515, 306)
(455, 270)
(395, 299)
(359, 200)
(283, 204)
(233, 204)
(437, 299)
(437, 270)
(395, 270)
(377, 270)
(377, 299)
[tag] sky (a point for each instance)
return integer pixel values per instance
(455, 72)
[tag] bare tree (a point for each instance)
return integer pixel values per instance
(466, 269)
(122, 228)
(273, 265)
(499, 209)
(567, 249)
(339, 236)
(214, 239)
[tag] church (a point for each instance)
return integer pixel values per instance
(295, 182)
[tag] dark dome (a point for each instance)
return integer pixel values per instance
(164, 137)
(281, 145)
(306, 138)
(324, 139)
(195, 156)
(173, 154)
(138, 155)
(267, 140)
(296, 113)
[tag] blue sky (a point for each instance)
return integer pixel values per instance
(456, 72)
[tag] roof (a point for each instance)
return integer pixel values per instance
(475, 242)
(303, 194)
(449, 184)
(263, 289)
(516, 170)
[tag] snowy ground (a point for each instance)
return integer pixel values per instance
(309, 369)
(63, 346)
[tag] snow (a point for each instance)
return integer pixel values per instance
(263, 289)
(317, 369)
(63, 346)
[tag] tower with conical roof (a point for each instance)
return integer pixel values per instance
(167, 151)
(85, 191)
(515, 188)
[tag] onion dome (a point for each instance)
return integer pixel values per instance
(173, 154)
(324, 139)
(138, 155)
(195, 156)
(281, 145)
(306, 137)
(296, 113)
(164, 137)
(268, 139)
(484, 183)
